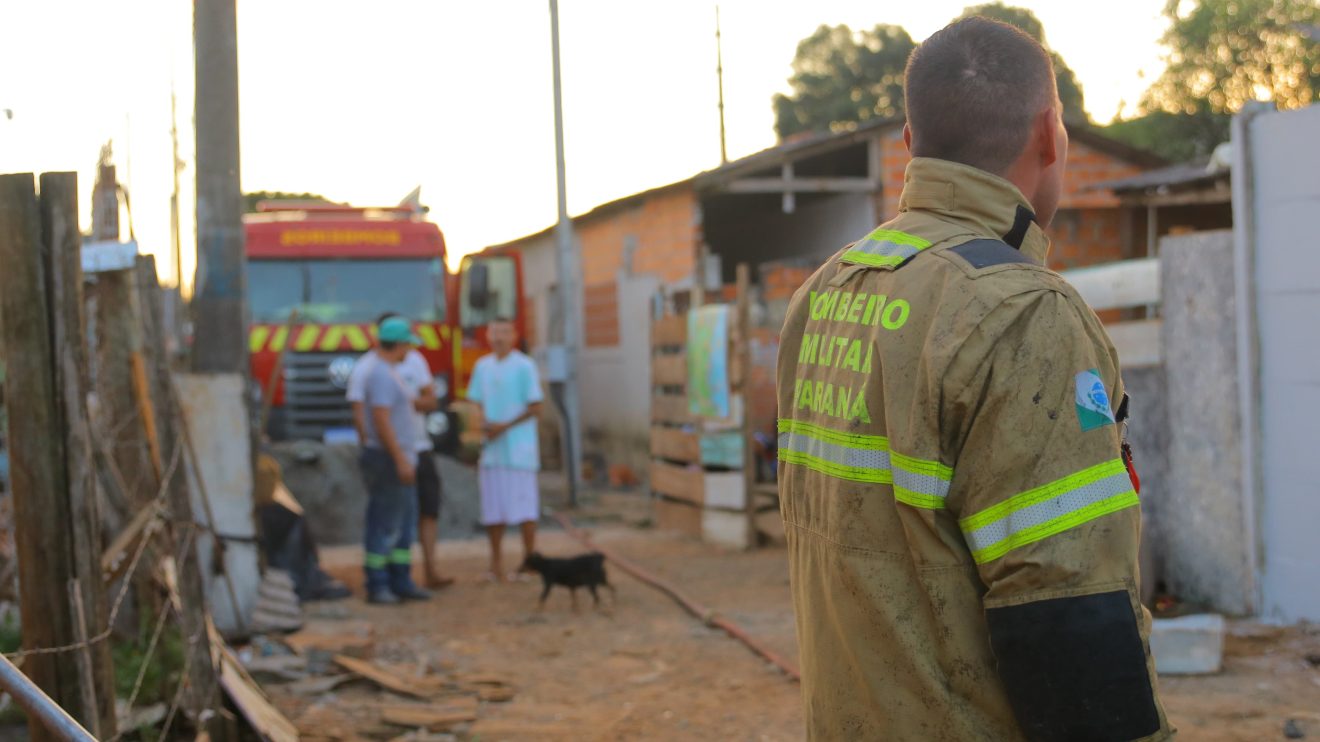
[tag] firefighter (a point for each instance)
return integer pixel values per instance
(962, 521)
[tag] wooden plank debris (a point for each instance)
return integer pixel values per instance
(431, 717)
(318, 686)
(483, 678)
(495, 693)
(350, 638)
(405, 686)
(247, 696)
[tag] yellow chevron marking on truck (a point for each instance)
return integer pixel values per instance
(257, 338)
(307, 338)
(430, 340)
(278, 340)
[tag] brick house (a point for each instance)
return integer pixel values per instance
(782, 210)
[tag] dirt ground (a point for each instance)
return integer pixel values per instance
(647, 670)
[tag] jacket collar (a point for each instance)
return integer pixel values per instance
(987, 204)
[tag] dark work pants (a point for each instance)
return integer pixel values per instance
(391, 524)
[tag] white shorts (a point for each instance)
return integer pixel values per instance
(508, 496)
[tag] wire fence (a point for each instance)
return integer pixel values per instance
(130, 402)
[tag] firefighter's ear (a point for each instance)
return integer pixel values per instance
(1047, 130)
(907, 138)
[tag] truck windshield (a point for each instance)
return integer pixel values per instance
(346, 291)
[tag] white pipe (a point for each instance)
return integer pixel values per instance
(39, 705)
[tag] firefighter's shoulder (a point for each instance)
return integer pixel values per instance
(999, 268)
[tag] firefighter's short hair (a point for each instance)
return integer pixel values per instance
(972, 91)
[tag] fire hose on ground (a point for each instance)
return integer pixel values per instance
(706, 615)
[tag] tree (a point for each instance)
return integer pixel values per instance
(1176, 137)
(841, 77)
(250, 200)
(1070, 91)
(1225, 53)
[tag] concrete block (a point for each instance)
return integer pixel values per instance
(1188, 645)
(724, 528)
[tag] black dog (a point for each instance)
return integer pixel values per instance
(587, 570)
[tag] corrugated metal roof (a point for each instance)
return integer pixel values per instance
(1182, 175)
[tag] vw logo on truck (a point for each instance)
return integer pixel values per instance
(340, 369)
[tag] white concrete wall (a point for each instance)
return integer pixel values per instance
(1283, 249)
(539, 273)
(616, 382)
(1200, 516)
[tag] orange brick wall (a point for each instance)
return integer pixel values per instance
(601, 315)
(894, 159)
(666, 232)
(664, 229)
(780, 281)
(1086, 167)
(1081, 237)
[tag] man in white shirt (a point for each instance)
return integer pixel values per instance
(506, 385)
(416, 376)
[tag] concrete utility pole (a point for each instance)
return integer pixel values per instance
(220, 284)
(570, 294)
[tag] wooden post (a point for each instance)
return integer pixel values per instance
(744, 350)
(36, 449)
(63, 243)
(50, 472)
(698, 295)
(201, 701)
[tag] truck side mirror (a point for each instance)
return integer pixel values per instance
(478, 285)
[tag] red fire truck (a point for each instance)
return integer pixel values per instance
(335, 269)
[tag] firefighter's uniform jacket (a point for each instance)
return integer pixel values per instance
(962, 527)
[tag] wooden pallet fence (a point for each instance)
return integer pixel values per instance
(698, 471)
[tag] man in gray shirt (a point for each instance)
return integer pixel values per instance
(388, 469)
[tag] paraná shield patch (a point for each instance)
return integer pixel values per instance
(1092, 401)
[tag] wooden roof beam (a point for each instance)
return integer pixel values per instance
(793, 184)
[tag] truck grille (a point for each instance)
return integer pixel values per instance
(312, 402)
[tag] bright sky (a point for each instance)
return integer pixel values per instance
(362, 102)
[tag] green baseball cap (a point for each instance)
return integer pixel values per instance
(398, 330)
